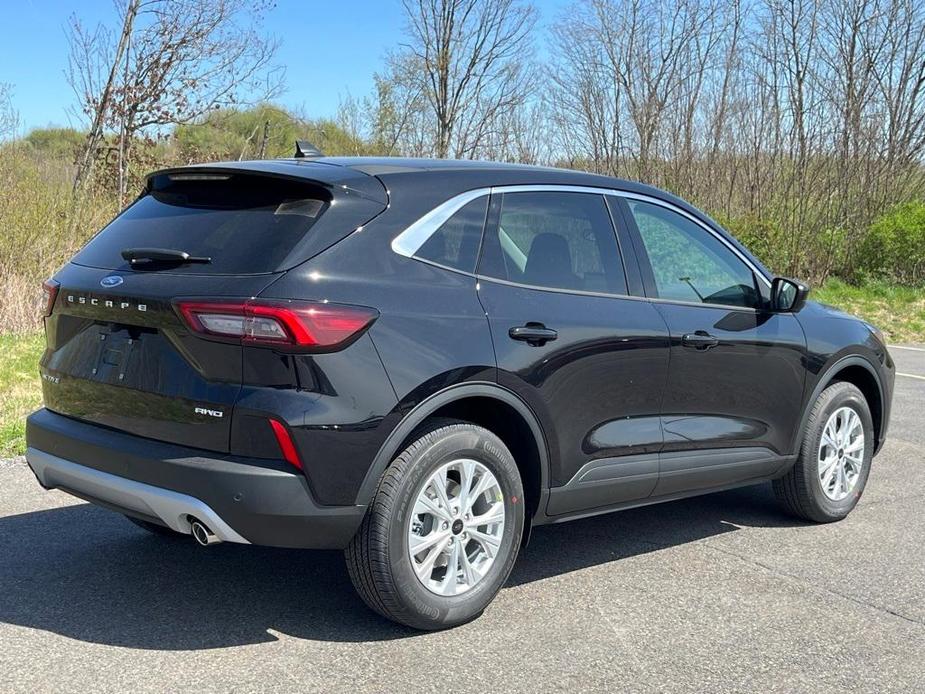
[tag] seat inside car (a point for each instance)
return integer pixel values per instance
(550, 262)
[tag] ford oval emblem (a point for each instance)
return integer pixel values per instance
(111, 281)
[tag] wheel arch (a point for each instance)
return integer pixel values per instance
(485, 404)
(858, 371)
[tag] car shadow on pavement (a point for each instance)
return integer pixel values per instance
(89, 574)
(561, 548)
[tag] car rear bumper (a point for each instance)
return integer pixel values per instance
(245, 500)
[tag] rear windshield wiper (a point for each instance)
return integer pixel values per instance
(137, 256)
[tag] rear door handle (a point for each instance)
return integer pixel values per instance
(701, 340)
(535, 334)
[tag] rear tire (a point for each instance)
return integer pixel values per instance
(409, 511)
(828, 478)
(154, 528)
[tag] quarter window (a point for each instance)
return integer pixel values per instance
(456, 243)
(689, 263)
(555, 240)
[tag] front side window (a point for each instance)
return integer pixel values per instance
(689, 263)
(555, 240)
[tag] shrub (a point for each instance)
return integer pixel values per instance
(41, 226)
(57, 143)
(762, 237)
(894, 250)
(811, 257)
(237, 134)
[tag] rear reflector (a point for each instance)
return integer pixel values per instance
(50, 291)
(294, 323)
(286, 444)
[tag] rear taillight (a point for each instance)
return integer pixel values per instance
(292, 323)
(286, 444)
(50, 291)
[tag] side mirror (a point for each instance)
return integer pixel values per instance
(788, 295)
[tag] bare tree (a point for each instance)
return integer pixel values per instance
(900, 80)
(350, 120)
(174, 62)
(83, 69)
(797, 120)
(523, 136)
(586, 104)
(9, 118)
(473, 56)
(398, 113)
(632, 78)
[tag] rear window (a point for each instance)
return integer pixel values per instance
(245, 224)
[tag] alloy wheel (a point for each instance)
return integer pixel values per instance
(841, 453)
(456, 526)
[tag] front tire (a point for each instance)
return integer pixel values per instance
(828, 478)
(443, 530)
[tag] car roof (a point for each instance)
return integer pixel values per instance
(458, 175)
(452, 173)
(406, 164)
(395, 166)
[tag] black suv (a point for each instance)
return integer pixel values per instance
(417, 361)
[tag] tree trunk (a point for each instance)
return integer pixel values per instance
(263, 142)
(85, 163)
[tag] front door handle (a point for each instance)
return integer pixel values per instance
(535, 334)
(701, 340)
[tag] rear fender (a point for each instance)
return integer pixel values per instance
(391, 447)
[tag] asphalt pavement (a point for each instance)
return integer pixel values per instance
(718, 593)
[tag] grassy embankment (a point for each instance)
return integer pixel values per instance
(898, 311)
(20, 392)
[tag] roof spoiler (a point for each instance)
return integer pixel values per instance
(305, 149)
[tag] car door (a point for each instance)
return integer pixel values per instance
(590, 360)
(735, 380)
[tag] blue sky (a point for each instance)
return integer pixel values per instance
(329, 49)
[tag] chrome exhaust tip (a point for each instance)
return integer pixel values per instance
(202, 534)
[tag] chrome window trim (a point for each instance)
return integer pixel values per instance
(409, 241)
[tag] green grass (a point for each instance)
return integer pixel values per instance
(898, 311)
(20, 389)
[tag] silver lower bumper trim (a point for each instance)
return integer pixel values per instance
(171, 507)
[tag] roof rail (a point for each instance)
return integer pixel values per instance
(305, 149)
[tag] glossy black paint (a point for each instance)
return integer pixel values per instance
(621, 409)
(836, 341)
(744, 390)
(265, 501)
(598, 387)
(336, 413)
(110, 363)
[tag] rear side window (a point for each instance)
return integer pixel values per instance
(555, 240)
(245, 224)
(456, 243)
